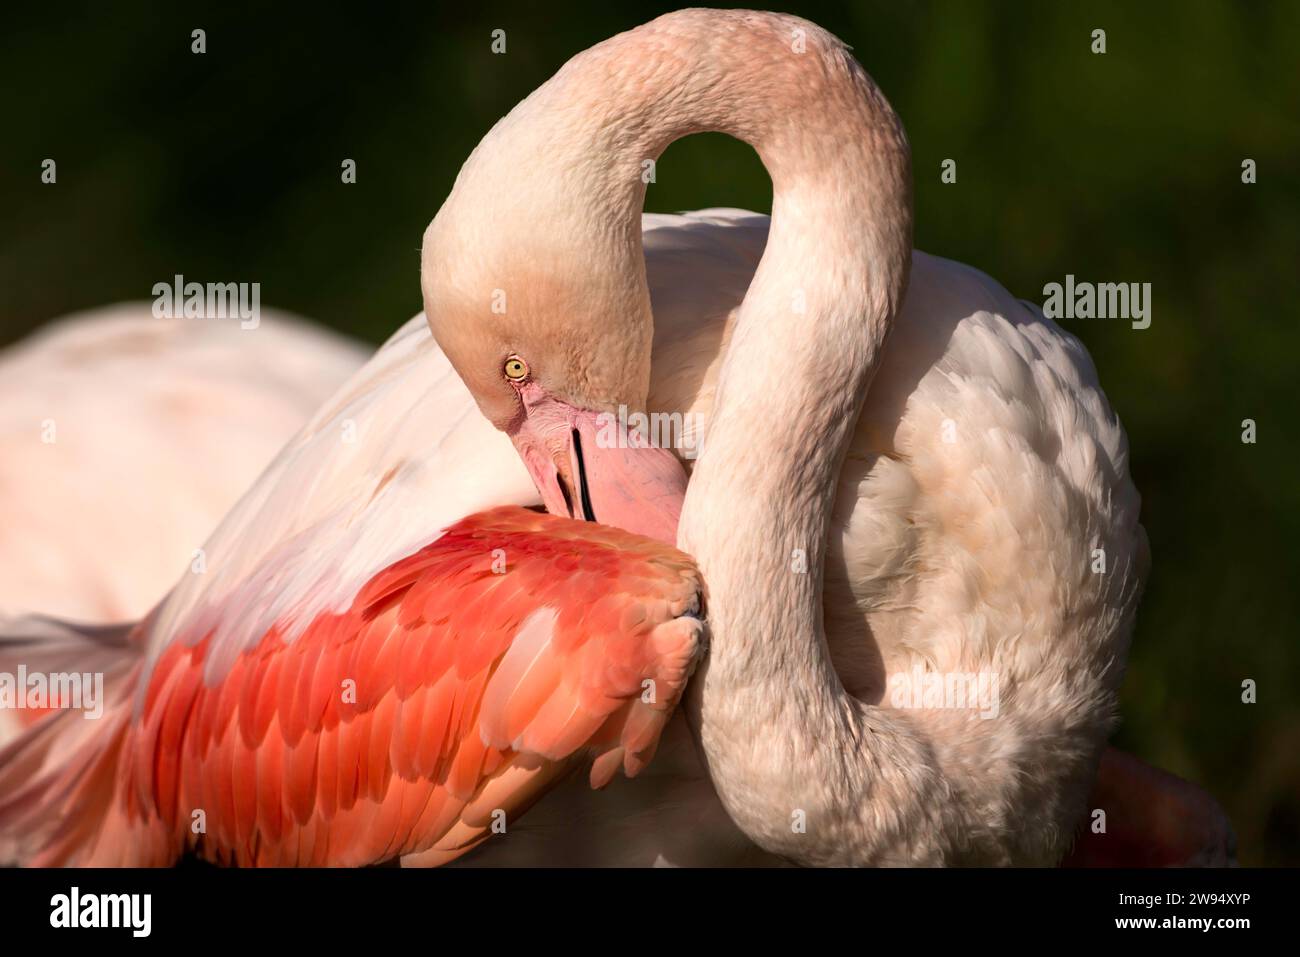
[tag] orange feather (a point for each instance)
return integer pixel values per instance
(474, 692)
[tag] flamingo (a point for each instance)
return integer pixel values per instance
(126, 438)
(827, 371)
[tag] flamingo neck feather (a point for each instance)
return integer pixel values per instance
(777, 730)
(555, 191)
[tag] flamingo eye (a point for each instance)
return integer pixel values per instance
(516, 369)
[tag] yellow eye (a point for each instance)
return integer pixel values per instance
(516, 369)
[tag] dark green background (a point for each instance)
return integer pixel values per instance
(1120, 167)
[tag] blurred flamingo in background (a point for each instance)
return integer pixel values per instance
(125, 438)
(947, 528)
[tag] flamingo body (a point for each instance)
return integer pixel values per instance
(296, 542)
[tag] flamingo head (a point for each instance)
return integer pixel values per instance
(556, 352)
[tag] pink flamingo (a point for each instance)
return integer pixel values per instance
(333, 565)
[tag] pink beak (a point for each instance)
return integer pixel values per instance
(586, 467)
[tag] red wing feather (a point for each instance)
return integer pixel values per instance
(453, 687)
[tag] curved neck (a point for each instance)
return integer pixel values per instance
(558, 184)
(564, 174)
(778, 731)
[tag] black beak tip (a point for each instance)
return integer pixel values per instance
(588, 513)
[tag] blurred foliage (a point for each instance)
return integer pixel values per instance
(1117, 167)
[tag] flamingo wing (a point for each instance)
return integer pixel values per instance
(459, 684)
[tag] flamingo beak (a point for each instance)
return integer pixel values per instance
(586, 467)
